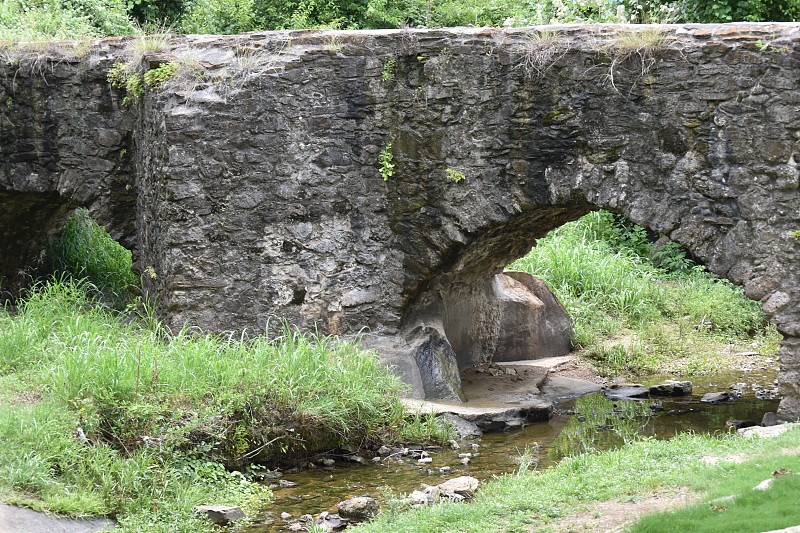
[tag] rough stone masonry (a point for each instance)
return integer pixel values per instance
(317, 176)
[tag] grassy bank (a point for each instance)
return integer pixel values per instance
(641, 309)
(539, 501)
(103, 412)
(113, 417)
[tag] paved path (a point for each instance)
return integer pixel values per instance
(15, 519)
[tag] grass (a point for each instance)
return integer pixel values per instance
(749, 511)
(82, 252)
(632, 316)
(302, 392)
(539, 51)
(528, 500)
(636, 49)
(104, 412)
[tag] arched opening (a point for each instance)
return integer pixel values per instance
(638, 304)
(85, 250)
(44, 236)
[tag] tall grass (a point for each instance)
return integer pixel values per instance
(138, 382)
(634, 316)
(105, 416)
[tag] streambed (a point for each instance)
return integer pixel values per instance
(590, 422)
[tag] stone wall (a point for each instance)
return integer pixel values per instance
(258, 194)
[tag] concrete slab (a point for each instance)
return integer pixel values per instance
(548, 363)
(15, 519)
(502, 384)
(488, 416)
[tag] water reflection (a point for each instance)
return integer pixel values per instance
(600, 424)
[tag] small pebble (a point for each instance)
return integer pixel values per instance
(425, 460)
(285, 516)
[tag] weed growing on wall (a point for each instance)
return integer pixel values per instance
(389, 65)
(635, 49)
(454, 175)
(385, 165)
(159, 75)
(539, 52)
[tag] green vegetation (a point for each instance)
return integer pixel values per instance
(388, 69)
(638, 47)
(32, 20)
(537, 500)
(732, 504)
(425, 429)
(84, 250)
(25, 20)
(642, 309)
(454, 175)
(109, 413)
(160, 74)
(385, 165)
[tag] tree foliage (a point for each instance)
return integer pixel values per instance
(40, 19)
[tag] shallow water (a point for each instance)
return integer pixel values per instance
(591, 422)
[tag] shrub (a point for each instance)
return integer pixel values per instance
(22, 20)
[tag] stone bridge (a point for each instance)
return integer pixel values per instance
(316, 176)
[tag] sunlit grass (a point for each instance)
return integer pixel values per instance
(634, 317)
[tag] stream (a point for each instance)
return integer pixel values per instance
(588, 423)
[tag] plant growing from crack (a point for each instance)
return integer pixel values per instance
(539, 52)
(637, 46)
(388, 70)
(385, 165)
(454, 175)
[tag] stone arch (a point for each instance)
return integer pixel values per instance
(264, 197)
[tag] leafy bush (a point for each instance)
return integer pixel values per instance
(22, 20)
(219, 16)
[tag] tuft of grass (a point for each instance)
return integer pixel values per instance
(425, 429)
(538, 52)
(636, 47)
